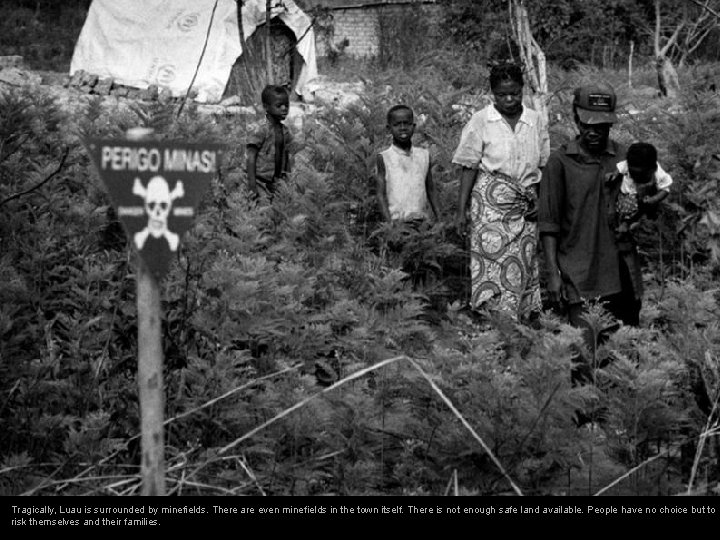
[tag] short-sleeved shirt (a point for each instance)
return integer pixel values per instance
(405, 175)
(661, 179)
(488, 142)
(577, 204)
(262, 136)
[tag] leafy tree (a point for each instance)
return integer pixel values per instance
(569, 31)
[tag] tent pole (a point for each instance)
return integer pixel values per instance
(268, 48)
(241, 30)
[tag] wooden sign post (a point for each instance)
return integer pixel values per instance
(150, 382)
(150, 368)
(155, 188)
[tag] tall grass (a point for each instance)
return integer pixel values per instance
(288, 329)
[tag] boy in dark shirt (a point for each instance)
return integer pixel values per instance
(268, 155)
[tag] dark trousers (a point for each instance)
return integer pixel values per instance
(623, 306)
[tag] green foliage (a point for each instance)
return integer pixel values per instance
(404, 37)
(43, 33)
(589, 31)
(482, 26)
(686, 137)
(275, 317)
(570, 32)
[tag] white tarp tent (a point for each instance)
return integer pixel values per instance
(142, 42)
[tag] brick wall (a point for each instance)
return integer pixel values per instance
(360, 26)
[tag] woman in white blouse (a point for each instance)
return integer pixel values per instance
(501, 151)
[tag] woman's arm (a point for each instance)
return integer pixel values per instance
(467, 180)
(431, 193)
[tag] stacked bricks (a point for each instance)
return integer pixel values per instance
(87, 83)
(12, 61)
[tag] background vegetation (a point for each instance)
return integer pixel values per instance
(301, 359)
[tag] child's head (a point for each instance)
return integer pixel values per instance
(276, 101)
(506, 85)
(642, 162)
(401, 124)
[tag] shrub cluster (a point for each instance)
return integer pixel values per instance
(302, 355)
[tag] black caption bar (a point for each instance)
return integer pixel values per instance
(24, 514)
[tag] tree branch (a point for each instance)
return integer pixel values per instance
(671, 40)
(676, 34)
(39, 184)
(706, 8)
(699, 39)
(11, 152)
(656, 34)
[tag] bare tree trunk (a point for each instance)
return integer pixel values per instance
(668, 81)
(533, 58)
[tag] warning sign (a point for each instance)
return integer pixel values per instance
(155, 188)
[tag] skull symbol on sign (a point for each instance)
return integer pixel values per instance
(158, 202)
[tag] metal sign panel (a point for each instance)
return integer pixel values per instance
(155, 188)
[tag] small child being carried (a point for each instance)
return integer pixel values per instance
(644, 185)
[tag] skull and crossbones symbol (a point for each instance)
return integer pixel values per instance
(158, 202)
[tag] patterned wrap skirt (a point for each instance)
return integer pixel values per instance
(503, 247)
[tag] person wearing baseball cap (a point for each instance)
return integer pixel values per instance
(595, 104)
(582, 259)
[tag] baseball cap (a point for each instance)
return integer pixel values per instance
(595, 104)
